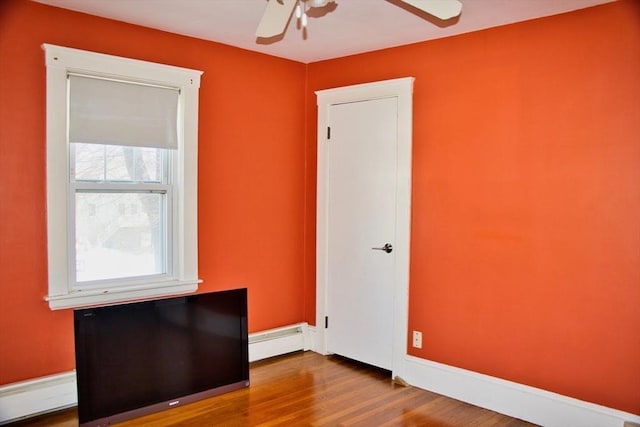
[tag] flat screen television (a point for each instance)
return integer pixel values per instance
(143, 357)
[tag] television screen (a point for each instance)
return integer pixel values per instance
(137, 358)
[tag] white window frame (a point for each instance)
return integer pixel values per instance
(183, 277)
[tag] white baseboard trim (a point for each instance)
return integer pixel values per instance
(51, 393)
(55, 392)
(312, 339)
(516, 400)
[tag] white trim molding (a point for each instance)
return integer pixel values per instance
(513, 399)
(516, 400)
(182, 272)
(41, 395)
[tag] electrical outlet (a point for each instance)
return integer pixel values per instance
(417, 339)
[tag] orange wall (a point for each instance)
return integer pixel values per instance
(526, 240)
(251, 175)
(525, 261)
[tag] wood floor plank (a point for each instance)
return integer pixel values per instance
(307, 389)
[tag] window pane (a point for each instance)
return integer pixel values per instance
(95, 162)
(150, 166)
(133, 164)
(119, 235)
(89, 162)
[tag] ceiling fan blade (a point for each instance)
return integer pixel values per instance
(442, 9)
(275, 18)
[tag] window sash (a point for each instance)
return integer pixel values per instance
(166, 165)
(166, 230)
(106, 186)
(103, 172)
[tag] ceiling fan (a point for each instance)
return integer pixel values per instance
(278, 12)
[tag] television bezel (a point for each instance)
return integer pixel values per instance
(181, 400)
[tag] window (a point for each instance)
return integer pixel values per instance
(121, 200)
(121, 178)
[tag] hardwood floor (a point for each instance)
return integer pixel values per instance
(307, 389)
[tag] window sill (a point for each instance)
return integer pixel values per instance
(86, 298)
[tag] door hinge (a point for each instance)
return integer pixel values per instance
(326, 322)
(328, 132)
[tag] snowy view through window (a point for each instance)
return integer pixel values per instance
(120, 209)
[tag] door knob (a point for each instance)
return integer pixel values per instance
(387, 248)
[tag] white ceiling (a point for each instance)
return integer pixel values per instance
(355, 26)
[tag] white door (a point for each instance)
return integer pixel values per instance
(363, 292)
(362, 180)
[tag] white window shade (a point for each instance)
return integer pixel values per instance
(113, 112)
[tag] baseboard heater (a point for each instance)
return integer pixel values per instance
(275, 342)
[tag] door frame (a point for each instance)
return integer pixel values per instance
(402, 89)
